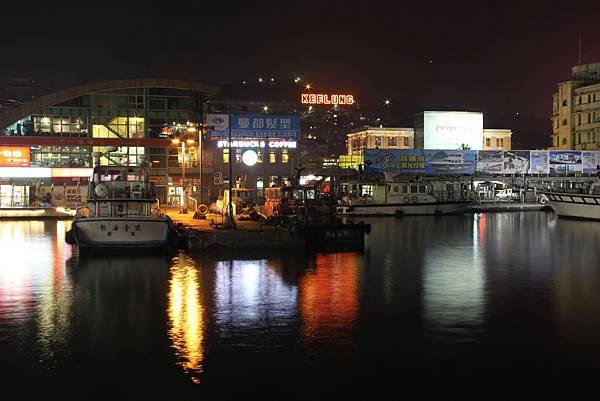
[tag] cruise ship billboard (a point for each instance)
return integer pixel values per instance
(491, 162)
(453, 130)
(450, 161)
(565, 161)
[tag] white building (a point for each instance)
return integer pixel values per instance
(576, 110)
(497, 139)
(380, 138)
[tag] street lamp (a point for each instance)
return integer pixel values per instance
(176, 141)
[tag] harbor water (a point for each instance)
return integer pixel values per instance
(481, 306)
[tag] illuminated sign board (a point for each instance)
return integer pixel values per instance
(258, 144)
(320, 98)
(453, 130)
(250, 126)
(15, 156)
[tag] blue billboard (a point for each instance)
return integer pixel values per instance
(394, 161)
(260, 126)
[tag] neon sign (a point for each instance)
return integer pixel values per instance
(319, 98)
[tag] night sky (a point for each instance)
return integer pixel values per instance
(501, 57)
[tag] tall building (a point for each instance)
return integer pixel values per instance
(576, 110)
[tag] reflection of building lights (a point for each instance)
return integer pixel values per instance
(328, 296)
(186, 316)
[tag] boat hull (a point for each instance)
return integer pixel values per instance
(121, 233)
(576, 206)
(416, 209)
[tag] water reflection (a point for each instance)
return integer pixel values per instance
(54, 308)
(576, 275)
(328, 300)
(187, 315)
(454, 277)
(251, 294)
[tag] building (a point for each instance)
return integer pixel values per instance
(379, 138)
(256, 150)
(576, 110)
(157, 121)
(497, 139)
(433, 130)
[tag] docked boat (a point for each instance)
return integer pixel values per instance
(397, 198)
(584, 205)
(121, 212)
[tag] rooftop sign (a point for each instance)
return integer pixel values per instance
(320, 98)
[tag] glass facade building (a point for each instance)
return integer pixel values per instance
(138, 119)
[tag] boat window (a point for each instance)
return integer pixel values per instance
(404, 189)
(413, 189)
(422, 189)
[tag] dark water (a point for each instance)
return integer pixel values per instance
(502, 305)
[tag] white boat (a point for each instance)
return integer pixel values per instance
(394, 198)
(576, 205)
(121, 212)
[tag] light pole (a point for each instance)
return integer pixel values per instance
(230, 217)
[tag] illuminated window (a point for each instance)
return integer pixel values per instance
(392, 141)
(406, 141)
(272, 156)
(285, 157)
(377, 141)
(225, 155)
(488, 142)
(238, 155)
(259, 152)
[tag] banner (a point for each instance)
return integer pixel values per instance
(450, 161)
(394, 160)
(538, 162)
(591, 162)
(515, 162)
(565, 161)
(490, 161)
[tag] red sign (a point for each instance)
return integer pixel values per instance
(319, 98)
(15, 156)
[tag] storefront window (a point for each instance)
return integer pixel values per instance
(225, 155)
(285, 156)
(238, 155)
(272, 156)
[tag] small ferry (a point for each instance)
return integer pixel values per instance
(453, 161)
(576, 205)
(397, 198)
(121, 212)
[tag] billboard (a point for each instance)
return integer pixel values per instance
(515, 162)
(591, 162)
(253, 126)
(538, 162)
(490, 161)
(565, 161)
(450, 161)
(453, 130)
(416, 161)
(15, 156)
(394, 160)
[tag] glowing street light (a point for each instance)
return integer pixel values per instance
(307, 86)
(297, 79)
(387, 102)
(265, 108)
